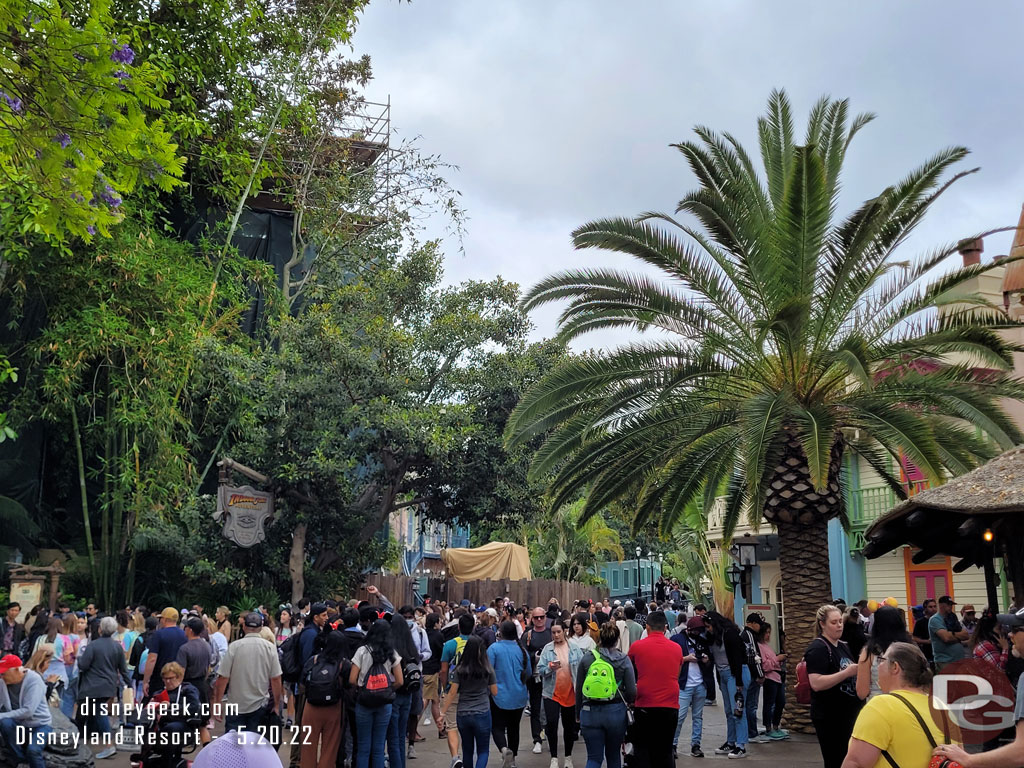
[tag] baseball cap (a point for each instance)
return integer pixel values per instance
(317, 608)
(1010, 620)
(695, 623)
(238, 749)
(481, 608)
(169, 613)
(755, 618)
(492, 612)
(464, 603)
(254, 619)
(9, 662)
(947, 600)
(968, 608)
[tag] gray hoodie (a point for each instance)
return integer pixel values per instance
(32, 711)
(625, 676)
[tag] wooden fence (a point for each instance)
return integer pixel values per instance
(530, 592)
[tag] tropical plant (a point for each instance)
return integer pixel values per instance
(789, 338)
(571, 549)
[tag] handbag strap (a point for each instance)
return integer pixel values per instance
(890, 760)
(920, 720)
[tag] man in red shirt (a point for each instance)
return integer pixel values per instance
(657, 661)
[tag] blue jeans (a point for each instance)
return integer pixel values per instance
(750, 700)
(475, 732)
(736, 727)
(398, 730)
(249, 721)
(372, 724)
(603, 727)
(694, 695)
(32, 750)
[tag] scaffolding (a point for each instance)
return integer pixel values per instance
(360, 135)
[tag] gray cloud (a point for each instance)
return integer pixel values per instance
(561, 112)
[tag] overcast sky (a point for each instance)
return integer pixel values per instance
(558, 113)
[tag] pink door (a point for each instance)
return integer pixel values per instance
(933, 584)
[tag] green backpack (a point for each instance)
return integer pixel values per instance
(600, 683)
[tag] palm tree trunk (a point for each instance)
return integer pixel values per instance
(806, 585)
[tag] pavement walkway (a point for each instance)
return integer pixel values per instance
(799, 750)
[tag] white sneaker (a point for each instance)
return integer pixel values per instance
(426, 720)
(108, 752)
(507, 758)
(537, 748)
(568, 762)
(554, 763)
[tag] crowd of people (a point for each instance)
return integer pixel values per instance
(351, 683)
(870, 683)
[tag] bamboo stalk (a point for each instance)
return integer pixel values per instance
(85, 498)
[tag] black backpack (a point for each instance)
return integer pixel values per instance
(324, 681)
(290, 654)
(412, 676)
(378, 688)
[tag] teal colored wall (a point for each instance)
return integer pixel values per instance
(847, 573)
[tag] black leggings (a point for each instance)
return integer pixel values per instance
(774, 695)
(552, 710)
(833, 738)
(505, 727)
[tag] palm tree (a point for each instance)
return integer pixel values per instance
(571, 550)
(787, 338)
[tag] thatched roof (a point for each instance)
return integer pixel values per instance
(951, 518)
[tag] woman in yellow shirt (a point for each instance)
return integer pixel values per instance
(894, 724)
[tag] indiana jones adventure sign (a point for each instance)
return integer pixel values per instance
(246, 513)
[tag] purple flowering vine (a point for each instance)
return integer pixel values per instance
(123, 55)
(14, 104)
(63, 139)
(109, 197)
(91, 229)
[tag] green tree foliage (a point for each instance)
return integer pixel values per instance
(366, 405)
(566, 547)
(120, 327)
(7, 373)
(790, 336)
(233, 64)
(80, 122)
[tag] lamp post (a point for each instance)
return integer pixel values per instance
(735, 574)
(650, 571)
(639, 594)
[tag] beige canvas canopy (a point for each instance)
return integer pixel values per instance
(497, 560)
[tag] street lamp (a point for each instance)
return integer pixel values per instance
(639, 594)
(735, 574)
(650, 571)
